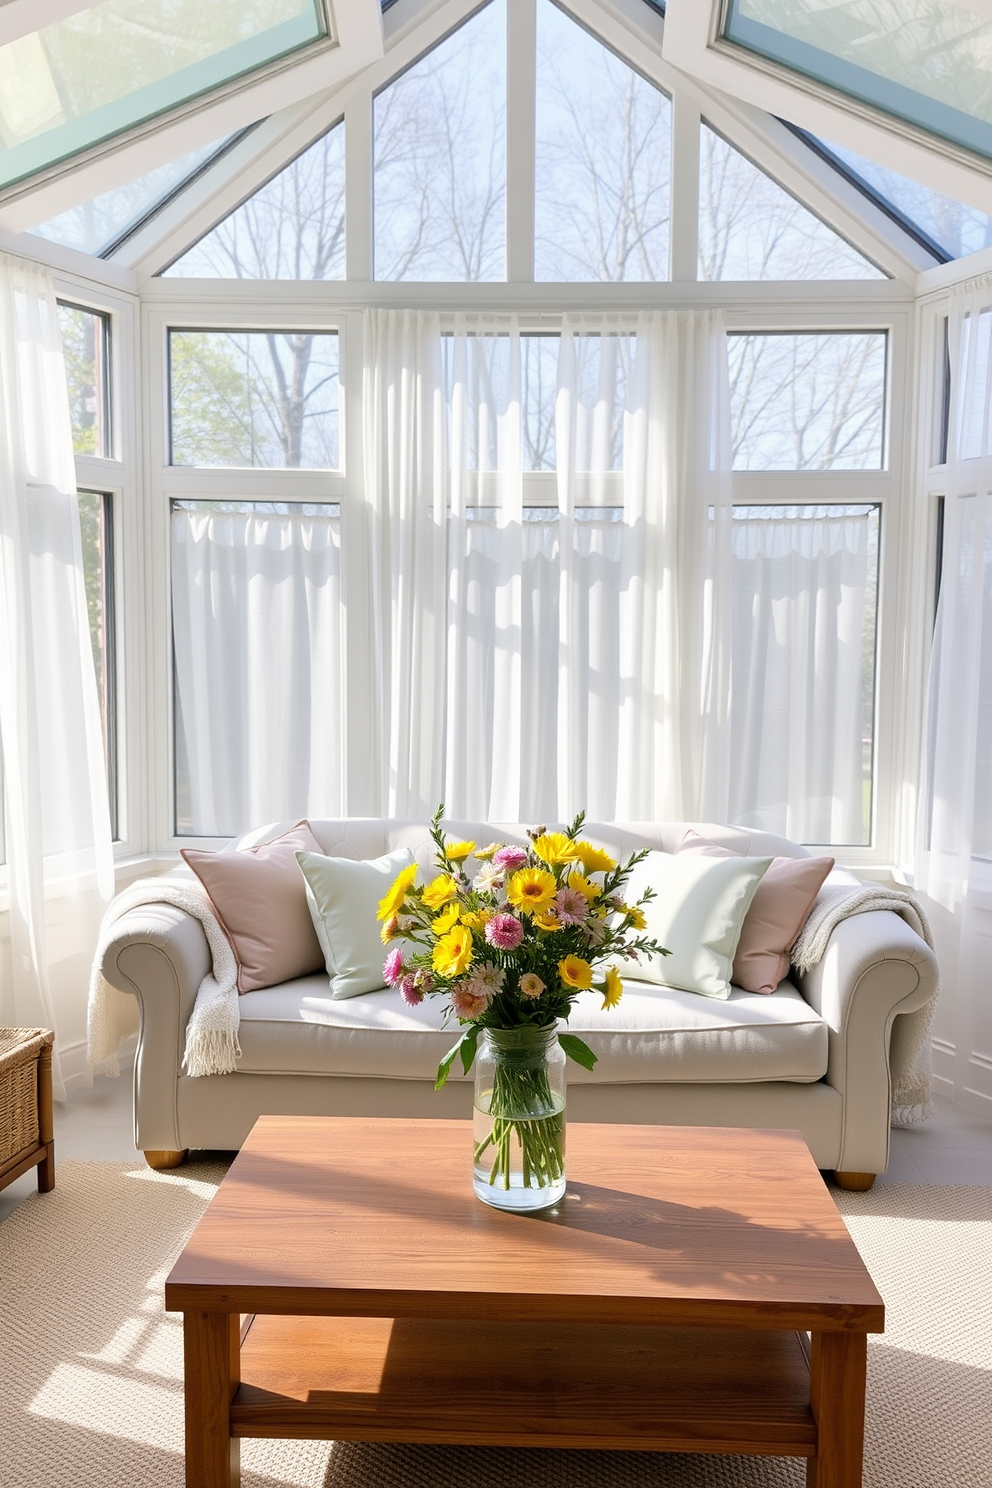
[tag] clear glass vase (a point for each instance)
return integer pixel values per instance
(519, 1118)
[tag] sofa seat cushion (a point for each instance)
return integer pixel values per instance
(656, 1033)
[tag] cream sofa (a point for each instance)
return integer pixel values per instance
(814, 1056)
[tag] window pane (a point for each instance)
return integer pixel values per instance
(954, 226)
(256, 616)
(805, 583)
(97, 226)
(926, 62)
(813, 402)
(440, 159)
(99, 72)
(751, 228)
(86, 347)
(254, 399)
(603, 160)
(972, 411)
(293, 228)
(96, 529)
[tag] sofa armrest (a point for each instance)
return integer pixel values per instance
(874, 970)
(159, 955)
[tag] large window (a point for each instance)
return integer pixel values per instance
(86, 347)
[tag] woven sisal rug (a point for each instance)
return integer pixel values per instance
(91, 1367)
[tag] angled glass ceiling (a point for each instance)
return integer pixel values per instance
(100, 225)
(948, 226)
(928, 62)
(96, 74)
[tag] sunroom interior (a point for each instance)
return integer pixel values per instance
(536, 405)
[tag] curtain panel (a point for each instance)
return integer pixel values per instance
(551, 519)
(56, 811)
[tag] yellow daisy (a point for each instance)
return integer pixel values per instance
(453, 953)
(445, 920)
(390, 903)
(531, 889)
(457, 852)
(547, 921)
(487, 853)
(612, 988)
(575, 972)
(477, 919)
(584, 885)
(439, 891)
(594, 859)
(555, 847)
(635, 917)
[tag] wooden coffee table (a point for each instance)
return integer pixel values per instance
(663, 1305)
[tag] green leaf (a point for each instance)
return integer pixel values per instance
(577, 1050)
(444, 1068)
(467, 1046)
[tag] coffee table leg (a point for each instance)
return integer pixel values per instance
(212, 1353)
(837, 1368)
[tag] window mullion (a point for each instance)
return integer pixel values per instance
(521, 113)
(685, 188)
(358, 187)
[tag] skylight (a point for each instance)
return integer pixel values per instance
(928, 62)
(96, 74)
(98, 226)
(954, 228)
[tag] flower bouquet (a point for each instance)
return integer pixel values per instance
(511, 936)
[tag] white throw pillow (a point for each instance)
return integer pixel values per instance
(697, 913)
(343, 897)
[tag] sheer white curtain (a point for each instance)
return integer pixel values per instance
(954, 843)
(960, 682)
(803, 677)
(57, 819)
(256, 607)
(569, 499)
(407, 492)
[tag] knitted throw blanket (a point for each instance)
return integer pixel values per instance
(910, 1052)
(212, 1046)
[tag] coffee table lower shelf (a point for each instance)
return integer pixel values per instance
(525, 1385)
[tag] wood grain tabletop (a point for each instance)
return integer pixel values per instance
(681, 1226)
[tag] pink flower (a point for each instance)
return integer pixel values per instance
(570, 906)
(393, 967)
(504, 931)
(410, 992)
(468, 1002)
(509, 859)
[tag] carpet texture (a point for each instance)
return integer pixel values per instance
(91, 1366)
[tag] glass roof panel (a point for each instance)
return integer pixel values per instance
(926, 61)
(99, 225)
(955, 228)
(99, 72)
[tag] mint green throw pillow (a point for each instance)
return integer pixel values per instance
(697, 913)
(343, 897)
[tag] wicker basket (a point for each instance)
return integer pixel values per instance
(22, 1093)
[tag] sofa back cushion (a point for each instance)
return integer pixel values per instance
(259, 897)
(778, 911)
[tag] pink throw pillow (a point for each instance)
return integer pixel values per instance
(781, 903)
(260, 898)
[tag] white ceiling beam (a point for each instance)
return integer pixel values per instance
(691, 44)
(358, 42)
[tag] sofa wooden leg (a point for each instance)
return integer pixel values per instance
(166, 1159)
(853, 1182)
